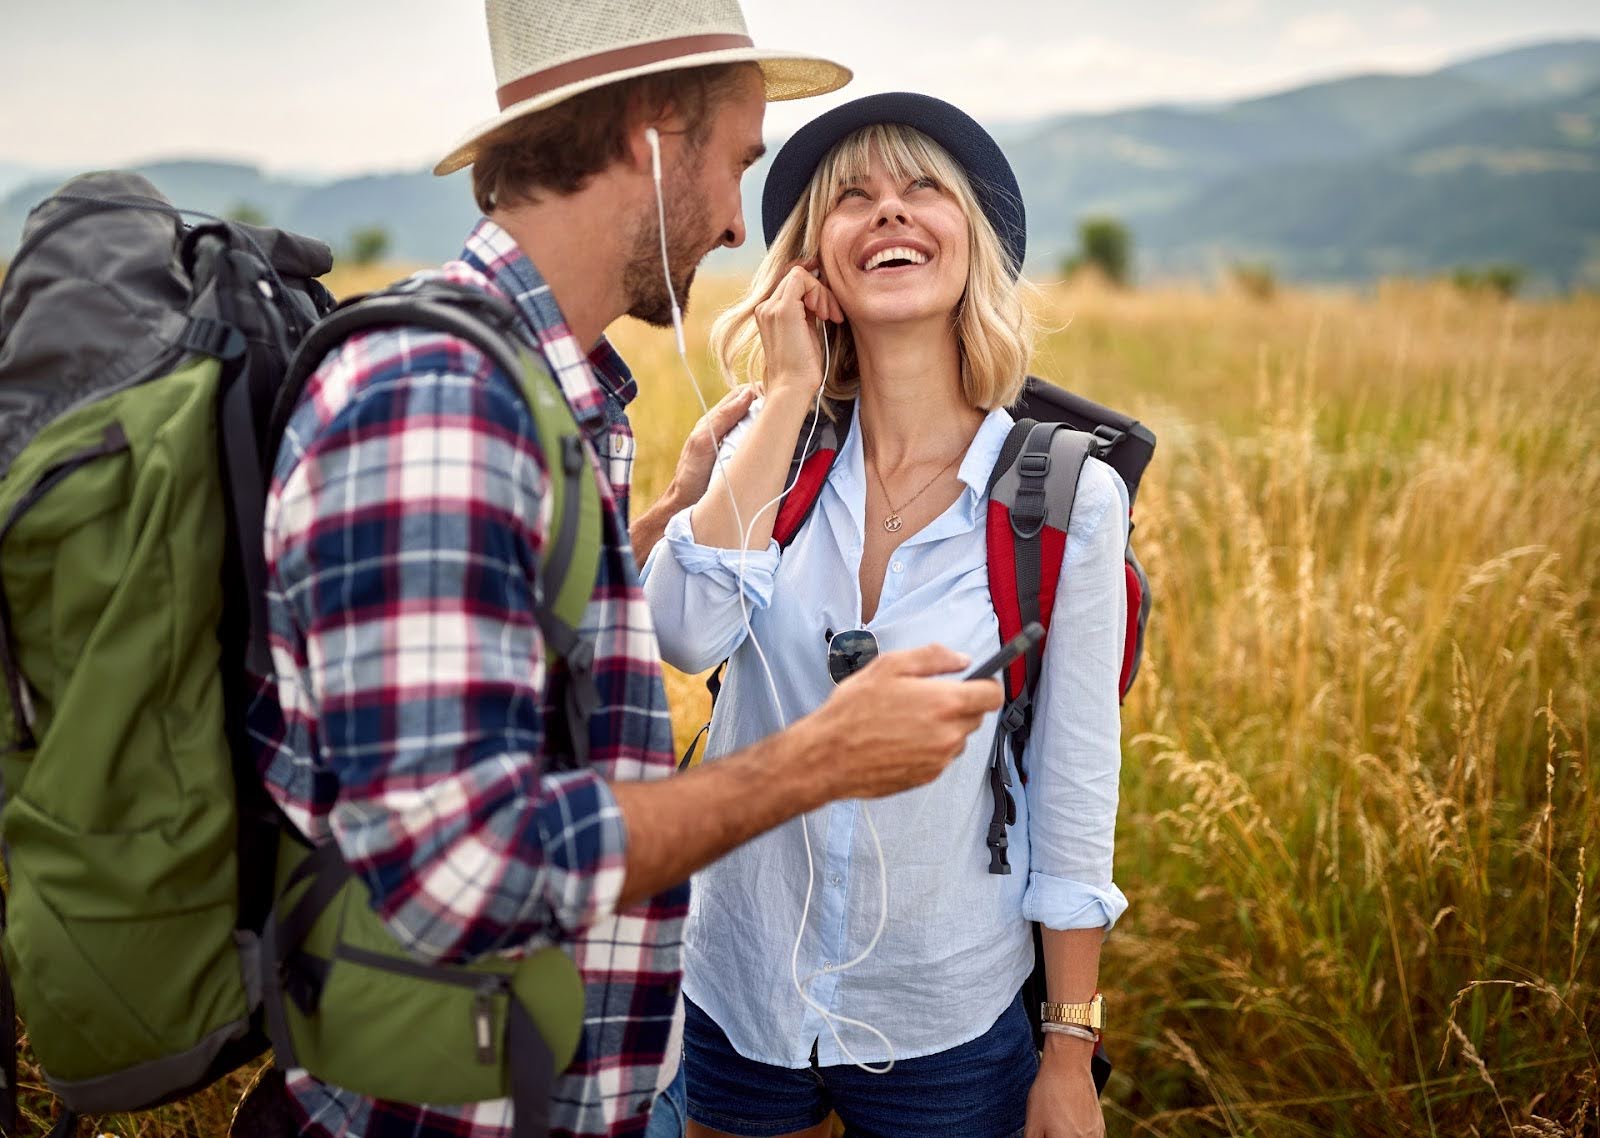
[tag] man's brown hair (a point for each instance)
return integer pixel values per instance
(560, 149)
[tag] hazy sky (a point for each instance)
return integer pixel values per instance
(338, 86)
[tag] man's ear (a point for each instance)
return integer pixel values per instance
(636, 149)
(665, 121)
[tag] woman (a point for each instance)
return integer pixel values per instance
(894, 222)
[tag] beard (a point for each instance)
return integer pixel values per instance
(688, 223)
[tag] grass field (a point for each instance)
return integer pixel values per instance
(1360, 825)
(1360, 822)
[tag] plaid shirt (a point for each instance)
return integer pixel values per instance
(406, 515)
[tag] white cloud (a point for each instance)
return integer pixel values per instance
(1321, 30)
(1413, 18)
(1083, 72)
(1227, 13)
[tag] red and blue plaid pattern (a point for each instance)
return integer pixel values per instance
(405, 520)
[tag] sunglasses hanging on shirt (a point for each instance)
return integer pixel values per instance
(849, 651)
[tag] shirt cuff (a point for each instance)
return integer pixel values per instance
(585, 845)
(1060, 903)
(756, 568)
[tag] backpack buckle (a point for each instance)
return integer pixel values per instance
(1034, 465)
(1028, 513)
(580, 660)
(1107, 436)
(571, 455)
(999, 863)
(213, 338)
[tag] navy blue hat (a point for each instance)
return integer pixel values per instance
(955, 130)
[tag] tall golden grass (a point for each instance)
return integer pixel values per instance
(1360, 819)
(1360, 822)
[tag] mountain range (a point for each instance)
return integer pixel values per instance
(1495, 158)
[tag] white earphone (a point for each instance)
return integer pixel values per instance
(653, 137)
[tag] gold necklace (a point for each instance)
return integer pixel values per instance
(893, 521)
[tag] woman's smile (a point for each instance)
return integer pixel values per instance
(894, 254)
(894, 247)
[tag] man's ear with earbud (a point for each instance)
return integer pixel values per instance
(652, 138)
(642, 151)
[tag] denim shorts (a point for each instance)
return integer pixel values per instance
(977, 1090)
(668, 1113)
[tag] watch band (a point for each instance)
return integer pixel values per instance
(1090, 1015)
(1085, 1033)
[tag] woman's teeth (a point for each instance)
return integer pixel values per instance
(897, 253)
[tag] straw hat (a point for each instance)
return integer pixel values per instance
(549, 50)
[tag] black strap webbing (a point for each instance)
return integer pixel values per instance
(714, 686)
(1005, 807)
(533, 1071)
(694, 744)
(241, 451)
(283, 968)
(66, 1125)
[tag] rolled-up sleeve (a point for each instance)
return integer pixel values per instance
(1074, 754)
(700, 595)
(404, 547)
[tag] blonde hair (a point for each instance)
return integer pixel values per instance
(994, 326)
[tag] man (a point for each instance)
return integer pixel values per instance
(408, 506)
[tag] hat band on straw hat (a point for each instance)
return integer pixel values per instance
(618, 59)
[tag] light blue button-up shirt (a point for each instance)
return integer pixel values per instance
(957, 946)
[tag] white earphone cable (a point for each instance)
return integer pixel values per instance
(746, 533)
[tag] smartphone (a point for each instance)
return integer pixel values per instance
(1031, 634)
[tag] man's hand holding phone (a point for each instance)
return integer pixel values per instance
(898, 722)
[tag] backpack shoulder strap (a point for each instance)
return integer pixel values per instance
(821, 439)
(1032, 490)
(571, 557)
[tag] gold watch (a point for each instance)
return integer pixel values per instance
(1090, 1015)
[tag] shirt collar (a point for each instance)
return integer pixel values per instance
(589, 380)
(985, 452)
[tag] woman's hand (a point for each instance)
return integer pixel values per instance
(792, 346)
(1063, 1103)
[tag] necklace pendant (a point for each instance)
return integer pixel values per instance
(892, 523)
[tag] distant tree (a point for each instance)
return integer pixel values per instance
(1503, 280)
(246, 214)
(1104, 243)
(369, 245)
(1256, 279)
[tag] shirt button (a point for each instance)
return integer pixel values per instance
(836, 879)
(827, 966)
(898, 566)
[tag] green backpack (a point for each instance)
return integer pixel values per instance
(161, 923)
